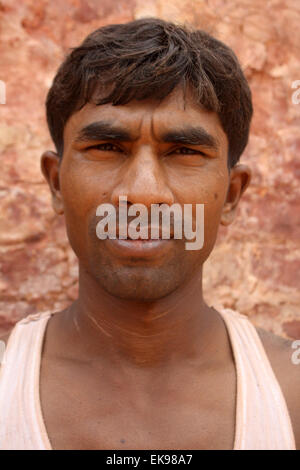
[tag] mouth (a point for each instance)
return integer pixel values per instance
(159, 233)
(139, 248)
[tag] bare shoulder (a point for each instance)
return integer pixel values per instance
(284, 357)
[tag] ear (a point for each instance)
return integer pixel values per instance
(240, 177)
(50, 163)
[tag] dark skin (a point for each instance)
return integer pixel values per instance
(139, 360)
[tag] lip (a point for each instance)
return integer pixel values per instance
(148, 231)
(139, 248)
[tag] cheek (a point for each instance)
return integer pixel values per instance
(81, 194)
(211, 192)
(212, 213)
(213, 207)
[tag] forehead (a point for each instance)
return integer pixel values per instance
(176, 110)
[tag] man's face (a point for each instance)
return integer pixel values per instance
(147, 170)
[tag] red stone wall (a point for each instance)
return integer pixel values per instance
(255, 266)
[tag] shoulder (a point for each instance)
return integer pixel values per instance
(4, 337)
(28, 320)
(284, 357)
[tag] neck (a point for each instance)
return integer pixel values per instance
(178, 327)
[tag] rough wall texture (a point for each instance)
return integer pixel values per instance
(255, 266)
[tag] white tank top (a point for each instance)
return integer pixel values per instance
(262, 417)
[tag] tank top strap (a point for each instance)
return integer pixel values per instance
(21, 424)
(262, 417)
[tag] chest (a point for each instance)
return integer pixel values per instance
(83, 409)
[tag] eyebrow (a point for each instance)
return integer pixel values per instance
(191, 136)
(105, 130)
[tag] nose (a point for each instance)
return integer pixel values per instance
(144, 181)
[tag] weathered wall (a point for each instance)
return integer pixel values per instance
(255, 265)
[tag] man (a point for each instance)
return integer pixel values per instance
(153, 113)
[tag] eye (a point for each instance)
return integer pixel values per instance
(105, 147)
(188, 151)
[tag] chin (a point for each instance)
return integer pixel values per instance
(144, 285)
